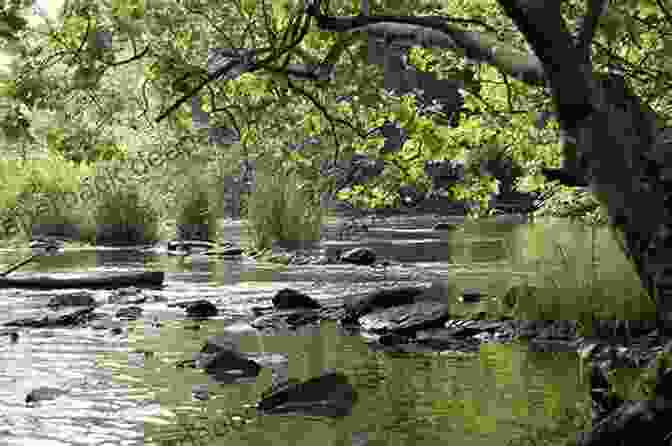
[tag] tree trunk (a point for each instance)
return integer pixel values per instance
(610, 135)
(616, 144)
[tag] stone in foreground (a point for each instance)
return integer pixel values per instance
(329, 395)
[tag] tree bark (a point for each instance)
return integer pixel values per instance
(612, 136)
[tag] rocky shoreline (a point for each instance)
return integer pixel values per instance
(401, 320)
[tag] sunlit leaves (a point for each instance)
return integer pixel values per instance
(8, 88)
(312, 125)
(248, 7)
(183, 40)
(70, 34)
(152, 72)
(11, 23)
(133, 9)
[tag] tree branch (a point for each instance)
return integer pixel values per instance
(544, 29)
(131, 59)
(584, 38)
(434, 31)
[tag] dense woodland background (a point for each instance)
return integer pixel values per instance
(92, 88)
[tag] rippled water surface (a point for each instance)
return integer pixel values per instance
(125, 389)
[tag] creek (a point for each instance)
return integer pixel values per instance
(125, 389)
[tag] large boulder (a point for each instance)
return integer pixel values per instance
(228, 366)
(287, 299)
(361, 304)
(201, 309)
(220, 359)
(406, 318)
(359, 256)
(330, 394)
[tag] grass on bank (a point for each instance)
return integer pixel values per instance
(282, 209)
(587, 283)
(108, 205)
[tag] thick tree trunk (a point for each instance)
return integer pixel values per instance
(611, 136)
(616, 144)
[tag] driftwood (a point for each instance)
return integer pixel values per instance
(94, 280)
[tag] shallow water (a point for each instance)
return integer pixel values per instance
(112, 393)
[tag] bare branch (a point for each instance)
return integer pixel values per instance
(323, 109)
(131, 59)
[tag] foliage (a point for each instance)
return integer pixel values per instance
(572, 286)
(193, 202)
(283, 208)
(69, 90)
(40, 191)
(121, 209)
(574, 203)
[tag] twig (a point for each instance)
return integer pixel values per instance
(18, 265)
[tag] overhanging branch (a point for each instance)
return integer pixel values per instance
(435, 31)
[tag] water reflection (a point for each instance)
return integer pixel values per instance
(118, 393)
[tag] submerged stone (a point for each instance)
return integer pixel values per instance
(43, 393)
(201, 309)
(329, 395)
(288, 299)
(74, 299)
(359, 256)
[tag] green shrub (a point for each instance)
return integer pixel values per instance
(193, 207)
(38, 192)
(123, 217)
(282, 208)
(121, 207)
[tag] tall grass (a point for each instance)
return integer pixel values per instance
(194, 213)
(586, 283)
(104, 203)
(283, 208)
(39, 191)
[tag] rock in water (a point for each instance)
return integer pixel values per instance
(201, 309)
(361, 304)
(328, 395)
(406, 318)
(288, 299)
(359, 256)
(227, 366)
(74, 299)
(43, 393)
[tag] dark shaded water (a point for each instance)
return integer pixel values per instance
(114, 394)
